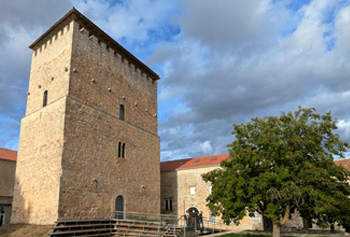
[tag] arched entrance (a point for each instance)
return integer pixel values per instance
(192, 216)
(119, 207)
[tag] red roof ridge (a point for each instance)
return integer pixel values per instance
(8, 154)
(194, 162)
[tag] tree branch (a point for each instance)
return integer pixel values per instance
(286, 215)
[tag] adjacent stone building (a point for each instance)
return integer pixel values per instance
(183, 189)
(88, 143)
(7, 182)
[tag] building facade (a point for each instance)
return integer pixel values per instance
(7, 182)
(89, 144)
(183, 189)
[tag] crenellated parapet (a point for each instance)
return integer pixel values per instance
(95, 34)
(112, 49)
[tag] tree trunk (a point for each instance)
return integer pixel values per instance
(276, 231)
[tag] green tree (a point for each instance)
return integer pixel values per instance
(278, 165)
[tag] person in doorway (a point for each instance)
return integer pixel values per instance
(200, 220)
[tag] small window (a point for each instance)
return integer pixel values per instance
(196, 161)
(210, 188)
(214, 158)
(168, 204)
(121, 112)
(192, 191)
(45, 99)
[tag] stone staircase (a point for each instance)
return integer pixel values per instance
(83, 228)
(114, 227)
(173, 232)
(139, 228)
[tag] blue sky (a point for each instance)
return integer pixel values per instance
(221, 63)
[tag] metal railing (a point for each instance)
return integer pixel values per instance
(163, 223)
(168, 223)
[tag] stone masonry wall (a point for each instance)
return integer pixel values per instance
(6, 206)
(50, 68)
(168, 189)
(38, 169)
(104, 80)
(7, 180)
(93, 175)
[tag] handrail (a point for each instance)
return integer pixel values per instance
(166, 222)
(174, 225)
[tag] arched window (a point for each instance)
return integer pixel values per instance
(121, 112)
(119, 207)
(45, 99)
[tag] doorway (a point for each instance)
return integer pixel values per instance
(192, 217)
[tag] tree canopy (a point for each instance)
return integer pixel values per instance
(278, 165)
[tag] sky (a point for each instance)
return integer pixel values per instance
(220, 62)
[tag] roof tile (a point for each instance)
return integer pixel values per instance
(215, 160)
(344, 162)
(192, 162)
(8, 154)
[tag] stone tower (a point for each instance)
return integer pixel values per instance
(88, 143)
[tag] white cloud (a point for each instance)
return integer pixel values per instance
(132, 21)
(220, 63)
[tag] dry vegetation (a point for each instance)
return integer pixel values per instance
(23, 230)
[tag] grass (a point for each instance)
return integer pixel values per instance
(244, 235)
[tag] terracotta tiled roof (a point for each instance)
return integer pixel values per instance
(8, 154)
(192, 162)
(344, 162)
(210, 160)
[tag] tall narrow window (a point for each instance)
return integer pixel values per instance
(119, 149)
(121, 112)
(45, 99)
(123, 150)
(168, 204)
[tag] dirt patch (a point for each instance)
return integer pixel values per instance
(23, 230)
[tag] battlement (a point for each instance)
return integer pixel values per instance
(50, 39)
(110, 49)
(95, 34)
